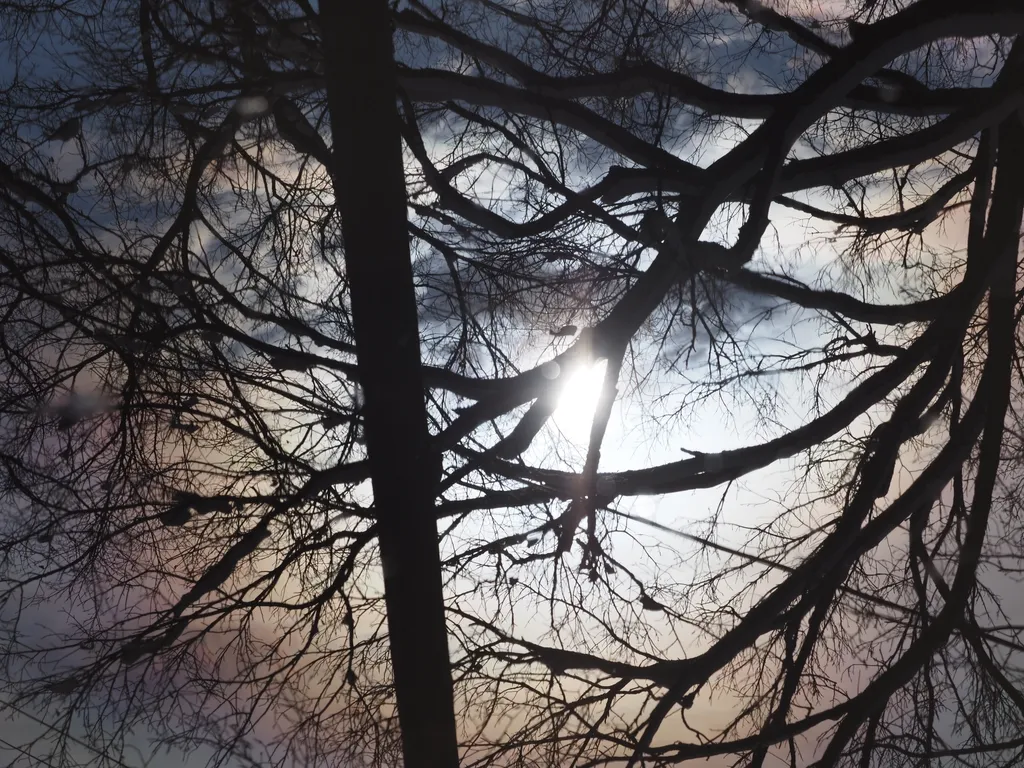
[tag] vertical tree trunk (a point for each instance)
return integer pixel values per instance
(370, 185)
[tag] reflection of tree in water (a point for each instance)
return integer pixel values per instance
(220, 481)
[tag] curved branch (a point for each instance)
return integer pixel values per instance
(632, 80)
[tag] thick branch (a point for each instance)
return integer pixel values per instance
(370, 186)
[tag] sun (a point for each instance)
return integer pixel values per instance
(578, 401)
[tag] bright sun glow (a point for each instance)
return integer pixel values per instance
(578, 401)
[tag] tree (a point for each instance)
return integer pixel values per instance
(247, 510)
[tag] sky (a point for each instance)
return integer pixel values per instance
(725, 425)
(717, 429)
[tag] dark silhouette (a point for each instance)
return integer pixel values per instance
(301, 311)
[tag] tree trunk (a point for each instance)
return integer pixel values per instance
(370, 186)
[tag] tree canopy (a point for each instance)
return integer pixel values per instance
(514, 383)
